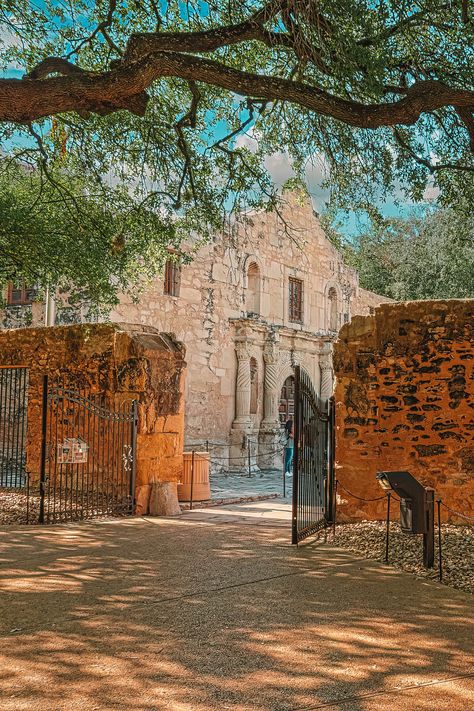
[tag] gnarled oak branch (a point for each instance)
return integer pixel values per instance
(124, 87)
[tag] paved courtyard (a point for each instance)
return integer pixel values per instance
(229, 486)
(210, 611)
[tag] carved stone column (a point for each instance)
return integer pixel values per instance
(242, 389)
(270, 396)
(327, 375)
(270, 456)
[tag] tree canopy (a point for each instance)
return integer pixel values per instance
(154, 96)
(54, 232)
(429, 257)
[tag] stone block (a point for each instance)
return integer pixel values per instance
(142, 499)
(164, 499)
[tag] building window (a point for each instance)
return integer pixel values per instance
(253, 289)
(253, 386)
(172, 277)
(332, 295)
(295, 304)
(19, 295)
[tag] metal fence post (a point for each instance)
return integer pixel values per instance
(428, 537)
(44, 420)
(440, 558)
(133, 475)
(331, 441)
(387, 532)
(296, 454)
(192, 482)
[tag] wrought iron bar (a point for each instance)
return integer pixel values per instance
(440, 555)
(44, 420)
(387, 531)
(192, 482)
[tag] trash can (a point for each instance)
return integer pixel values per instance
(199, 481)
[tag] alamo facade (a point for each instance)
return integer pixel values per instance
(252, 304)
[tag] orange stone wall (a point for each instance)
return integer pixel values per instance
(405, 401)
(126, 362)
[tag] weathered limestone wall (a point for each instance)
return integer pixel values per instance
(126, 362)
(405, 401)
(364, 302)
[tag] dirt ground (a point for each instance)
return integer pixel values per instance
(215, 611)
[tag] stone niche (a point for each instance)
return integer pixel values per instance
(405, 401)
(124, 361)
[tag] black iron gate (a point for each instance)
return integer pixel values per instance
(13, 423)
(313, 470)
(87, 455)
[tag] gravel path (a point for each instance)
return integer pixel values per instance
(13, 507)
(14, 503)
(367, 539)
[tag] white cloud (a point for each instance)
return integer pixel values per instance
(279, 167)
(247, 140)
(9, 39)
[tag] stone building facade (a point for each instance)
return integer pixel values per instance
(270, 292)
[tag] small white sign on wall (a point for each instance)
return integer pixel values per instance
(73, 450)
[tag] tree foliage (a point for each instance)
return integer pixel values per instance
(429, 257)
(54, 232)
(154, 96)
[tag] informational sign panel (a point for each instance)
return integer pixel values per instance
(72, 451)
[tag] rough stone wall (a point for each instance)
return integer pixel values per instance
(405, 401)
(125, 362)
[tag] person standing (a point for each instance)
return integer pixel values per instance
(289, 447)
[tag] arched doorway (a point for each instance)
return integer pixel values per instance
(286, 409)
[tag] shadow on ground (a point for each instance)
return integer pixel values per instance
(198, 615)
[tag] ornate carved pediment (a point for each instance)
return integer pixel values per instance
(243, 350)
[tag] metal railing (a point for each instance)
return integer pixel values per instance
(13, 426)
(389, 495)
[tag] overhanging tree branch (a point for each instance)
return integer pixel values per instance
(148, 57)
(431, 167)
(27, 100)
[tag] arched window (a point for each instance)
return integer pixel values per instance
(333, 321)
(253, 386)
(253, 289)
